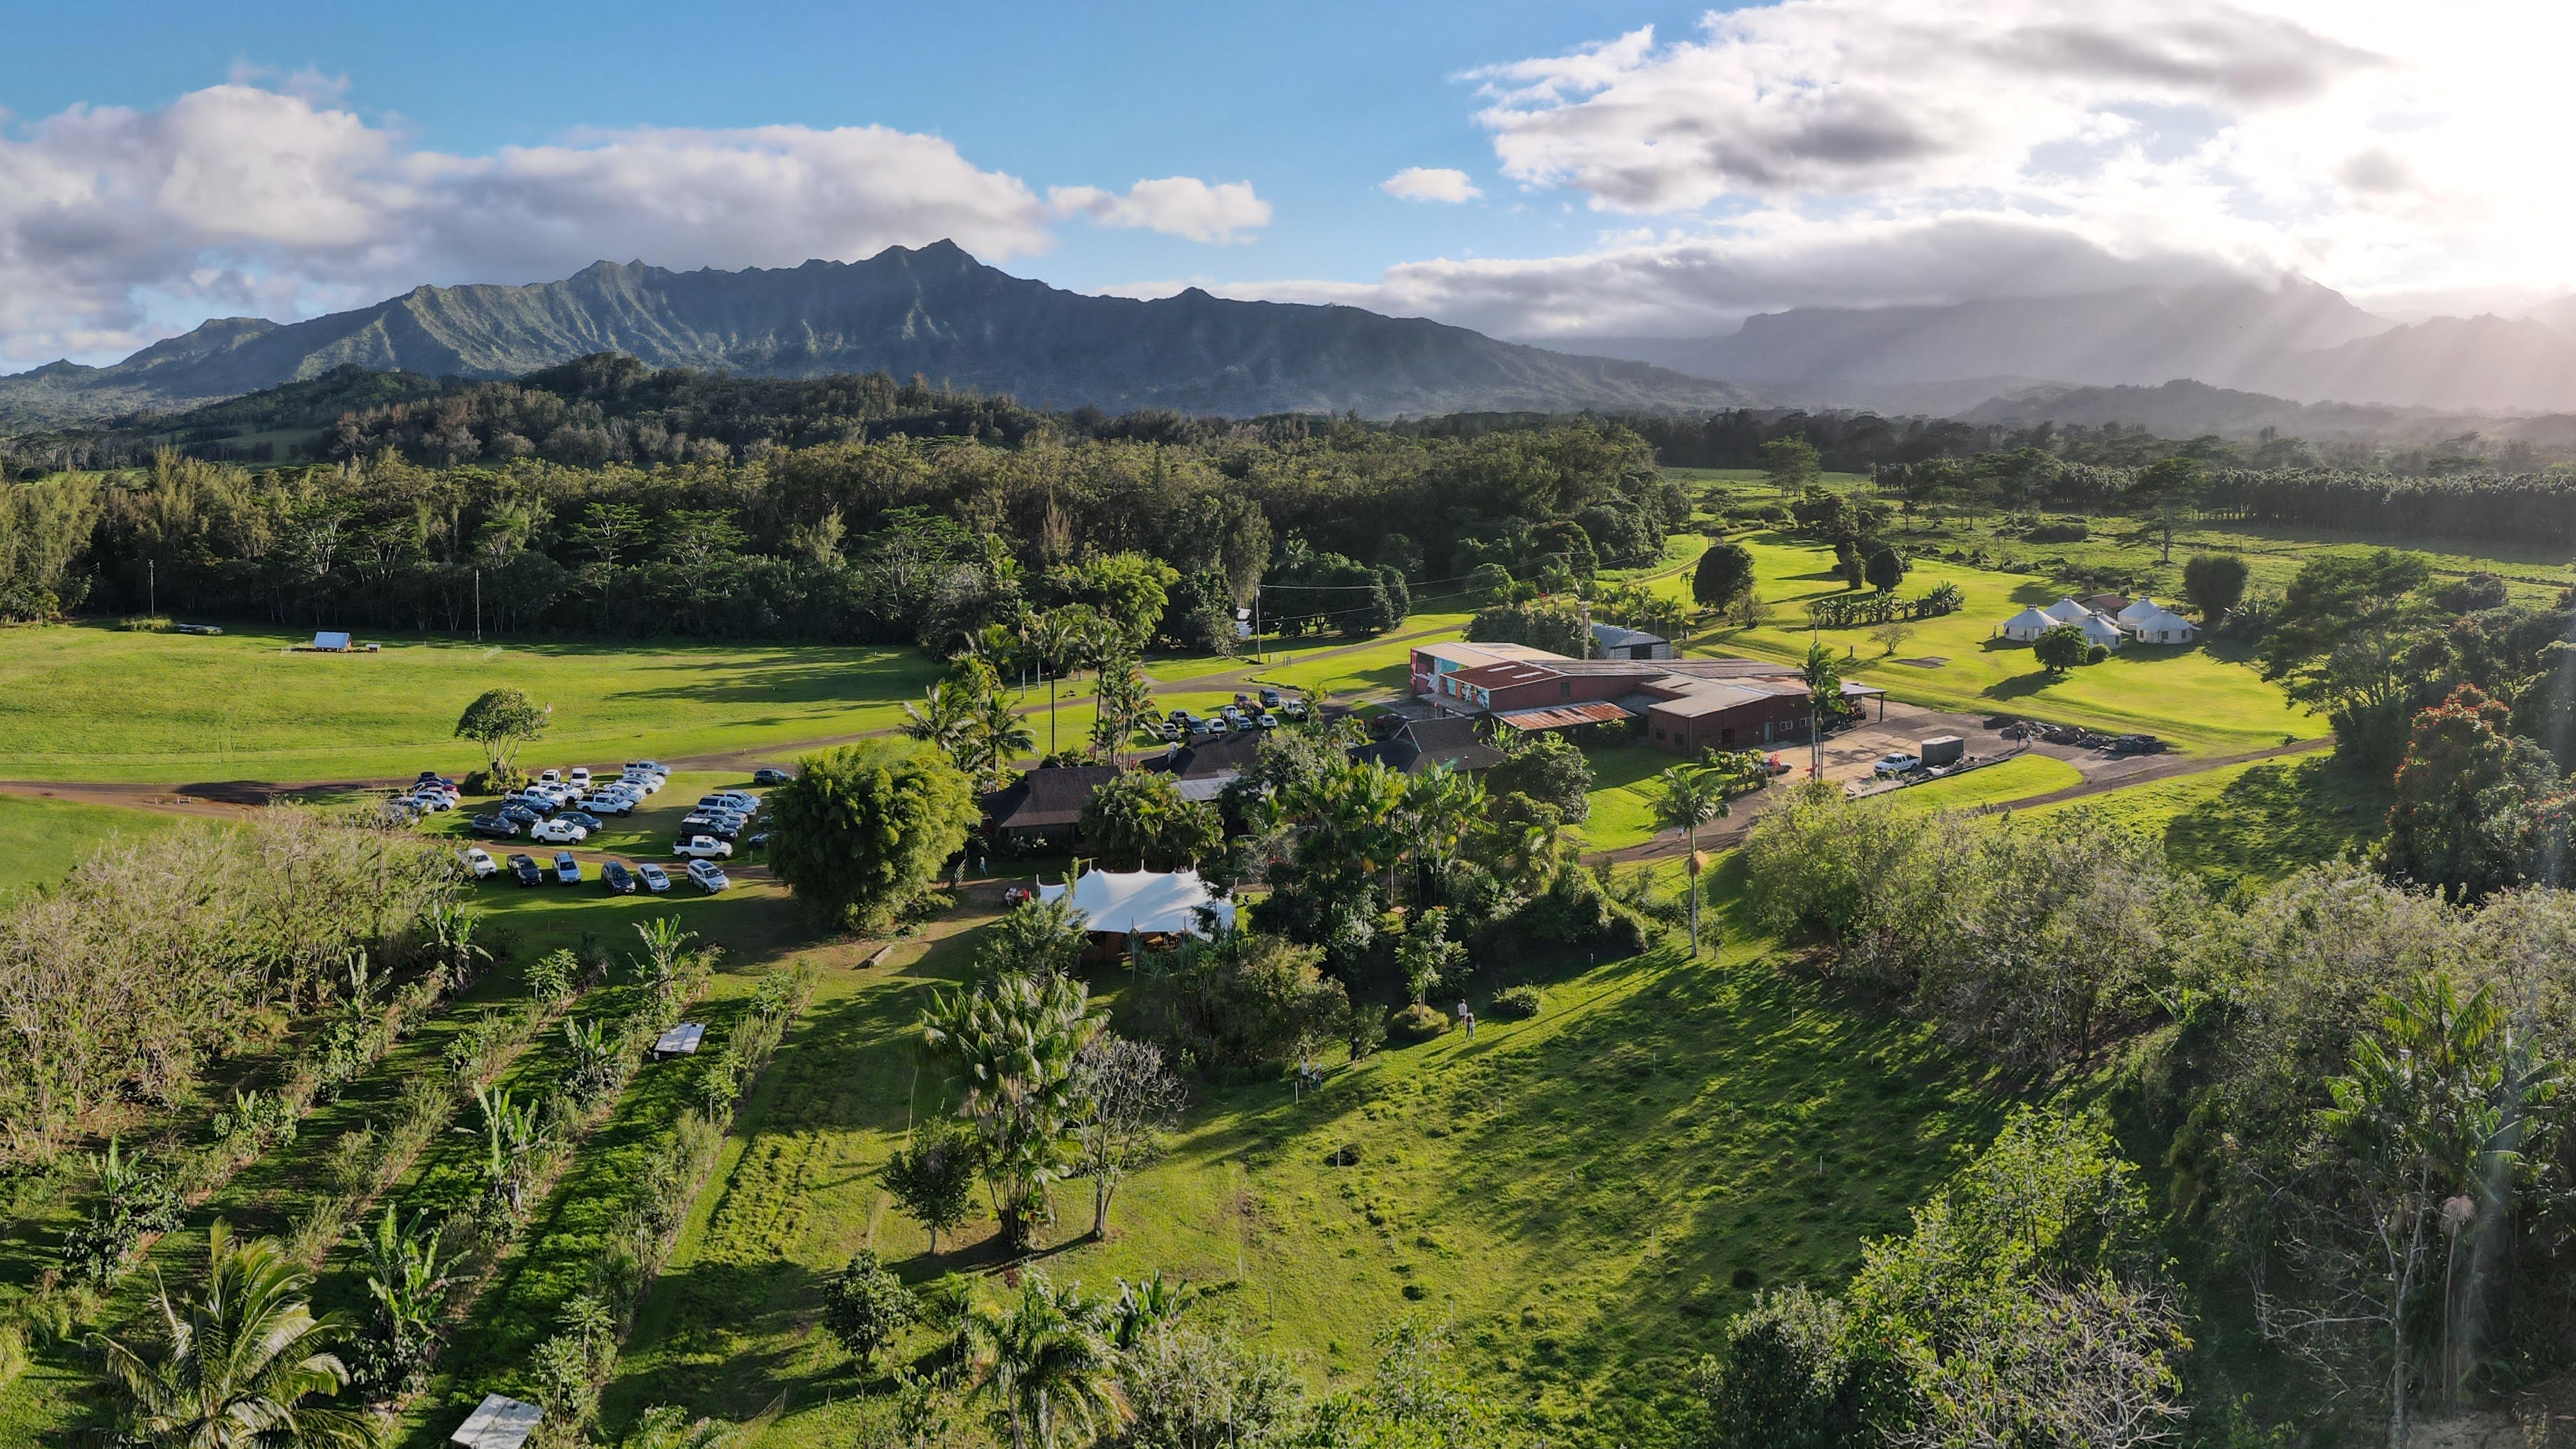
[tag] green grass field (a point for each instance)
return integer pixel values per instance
(42, 839)
(2019, 778)
(1585, 1196)
(2188, 695)
(2254, 822)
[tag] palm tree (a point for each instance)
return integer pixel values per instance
(1124, 699)
(1687, 798)
(408, 1283)
(1002, 736)
(1441, 806)
(1046, 1362)
(1052, 637)
(944, 718)
(242, 1366)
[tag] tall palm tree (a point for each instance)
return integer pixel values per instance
(1017, 1038)
(1046, 1363)
(1123, 701)
(1052, 638)
(244, 1366)
(1686, 798)
(1440, 806)
(945, 717)
(1003, 736)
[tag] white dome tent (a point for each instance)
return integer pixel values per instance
(2164, 627)
(2098, 630)
(2067, 611)
(2027, 625)
(1143, 902)
(2138, 613)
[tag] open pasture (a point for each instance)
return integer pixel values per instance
(2190, 695)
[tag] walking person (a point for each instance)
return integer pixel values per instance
(1466, 1018)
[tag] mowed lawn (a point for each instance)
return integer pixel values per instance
(91, 703)
(40, 839)
(2187, 694)
(1584, 1197)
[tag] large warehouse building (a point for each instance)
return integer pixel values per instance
(1683, 705)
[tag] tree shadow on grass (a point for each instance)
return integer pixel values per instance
(2021, 686)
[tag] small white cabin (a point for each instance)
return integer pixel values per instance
(2027, 625)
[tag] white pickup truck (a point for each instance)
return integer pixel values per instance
(703, 847)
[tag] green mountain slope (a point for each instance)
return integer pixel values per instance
(935, 311)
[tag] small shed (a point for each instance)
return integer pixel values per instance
(680, 1041)
(498, 1423)
(1941, 750)
(331, 641)
(2027, 625)
(1610, 641)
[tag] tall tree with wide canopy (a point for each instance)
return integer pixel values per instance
(244, 1365)
(862, 829)
(1724, 575)
(501, 720)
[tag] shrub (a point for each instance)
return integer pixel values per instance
(2097, 653)
(144, 624)
(865, 1307)
(1576, 911)
(2060, 530)
(1417, 1024)
(1517, 1002)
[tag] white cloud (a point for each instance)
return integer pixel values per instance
(120, 225)
(1430, 183)
(1181, 206)
(1872, 152)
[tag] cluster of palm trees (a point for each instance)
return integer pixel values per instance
(1637, 607)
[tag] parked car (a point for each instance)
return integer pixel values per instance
(702, 847)
(650, 767)
(584, 819)
(619, 880)
(707, 822)
(430, 800)
(1269, 721)
(741, 800)
(1293, 709)
(579, 779)
(707, 877)
(495, 826)
(558, 831)
(767, 775)
(605, 804)
(648, 784)
(1891, 765)
(548, 777)
(656, 879)
(1270, 699)
(478, 862)
(519, 816)
(524, 870)
(567, 869)
(759, 841)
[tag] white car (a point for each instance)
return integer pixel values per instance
(432, 800)
(479, 863)
(644, 780)
(558, 832)
(703, 847)
(604, 803)
(656, 879)
(706, 877)
(580, 777)
(549, 777)
(1269, 721)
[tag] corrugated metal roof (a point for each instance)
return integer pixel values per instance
(1557, 717)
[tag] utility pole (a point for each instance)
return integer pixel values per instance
(478, 606)
(151, 586)
(1256, 625)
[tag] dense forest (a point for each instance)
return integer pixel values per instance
(887, 512)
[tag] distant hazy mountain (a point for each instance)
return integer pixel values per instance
(2448, 362)
(935, 311)
(2135, 335)
(2185, 409)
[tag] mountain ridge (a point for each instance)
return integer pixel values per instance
(934, 311)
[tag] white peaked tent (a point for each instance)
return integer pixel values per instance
(2098, 630)
(2067, 611)
(2166, 627)
(1142, 902)
(2138, 613)
(2027, 625)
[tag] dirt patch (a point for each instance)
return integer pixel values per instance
(1928, 661)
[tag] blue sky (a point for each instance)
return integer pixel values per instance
(1642, 167)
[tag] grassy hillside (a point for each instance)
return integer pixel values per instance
(1585, 1196)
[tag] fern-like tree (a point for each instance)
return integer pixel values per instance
(1016, 1040)
(243, 1365)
